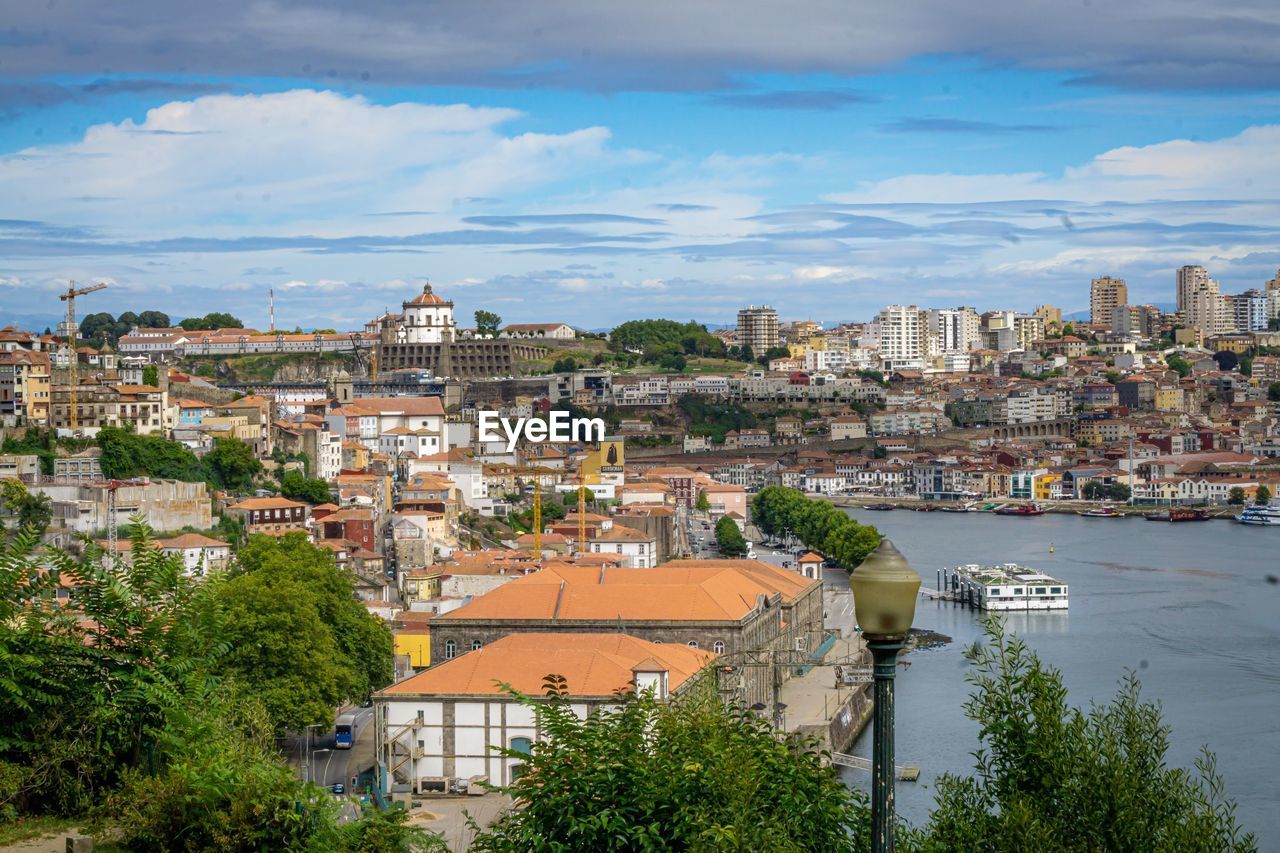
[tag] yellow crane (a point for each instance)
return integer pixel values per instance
(73, 368)
(537, 521)
(582, 519)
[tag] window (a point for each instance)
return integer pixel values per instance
(522, 745)
(693, 644)
(1056, 590)
(475, 644)
(1039, 590)
(450, 649)
(1017, 590)
(995, 591)
(718, 647)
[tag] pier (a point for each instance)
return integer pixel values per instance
(1006, 587)
(904, 772)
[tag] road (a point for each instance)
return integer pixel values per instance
(330, 766)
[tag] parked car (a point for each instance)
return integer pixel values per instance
(339, 788)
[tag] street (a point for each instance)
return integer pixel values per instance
(329, 766)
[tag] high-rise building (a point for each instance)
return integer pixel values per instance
(1105, 295)
(1028, 328)
(1137, 320)
(953, 330)
(758, 328)
(1273, 298)
(1249, 310)
(903, 336)
(1201, 304)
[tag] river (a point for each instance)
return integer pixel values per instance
(1187, 606)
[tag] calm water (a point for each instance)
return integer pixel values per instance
(1185, 605)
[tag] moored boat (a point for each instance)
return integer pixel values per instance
(1022, 509)
(1106, 511)
(880, 507)
(1177, 514)
(1265, 515)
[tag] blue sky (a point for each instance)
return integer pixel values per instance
(594, 162)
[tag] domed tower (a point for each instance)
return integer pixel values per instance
(428, 319)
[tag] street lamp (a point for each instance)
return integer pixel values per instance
(884, 590)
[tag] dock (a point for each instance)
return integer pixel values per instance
(904, 772)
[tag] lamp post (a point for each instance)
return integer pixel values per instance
(884, 590)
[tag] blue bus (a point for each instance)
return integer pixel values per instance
(344, 731)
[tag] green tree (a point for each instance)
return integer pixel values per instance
(126, 454)
(702, 504)
(1094, 491)
(1179, 364)
(150, 375)
(816, 523)
(231, 464)
(296, 486)
(729, 538)
(1226, 359)
(689, 774)
(774, 352)
(1262, 496)
(1273, 392)
(354, 658)
(487, 323)
(153, 320)
(1053, 777)
(213, 320)
(1068, 329)
(1119, 492)
(1236, 496)
(32, 511)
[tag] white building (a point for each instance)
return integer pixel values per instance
(954, 330)
(1249, 311)
(427, 319)
(446, 722)
(902, 331)
(758, 328)
(637, 550)
(200, 554)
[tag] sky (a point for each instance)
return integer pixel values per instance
(590, 162)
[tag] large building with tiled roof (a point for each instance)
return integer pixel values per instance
(445, 722)
(727, 606)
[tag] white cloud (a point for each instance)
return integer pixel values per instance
(1244, 166)
(821, 272)
(224, 162)
(576, 285)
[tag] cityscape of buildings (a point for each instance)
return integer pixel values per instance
(1135, 405)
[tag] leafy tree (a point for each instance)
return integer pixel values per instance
(729, 538)
(1094, 491)
(564, 365)
(487, 323)
(1119, 492)
(1236, 496)
(1226, 359)
(745, 353)
(153, 320)
(774, 352)
(1179, 364)
(323, 642)
(816, 523)
(713, 418)
(1053, 777)
(1262, 496)
(655, 337)
(126, 454)
(1273, 392)
(231, 464)
(150, 375)
(295, 486)
(32, 511)
(1068, 329)
(702, 504)
(213, 320)
(683, 775)
(1113, 376)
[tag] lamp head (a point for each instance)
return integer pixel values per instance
(884, 591)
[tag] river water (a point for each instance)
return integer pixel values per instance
(1187, 606)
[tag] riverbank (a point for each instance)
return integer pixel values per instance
(1226, 513)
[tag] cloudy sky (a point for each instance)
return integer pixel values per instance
(593, 161)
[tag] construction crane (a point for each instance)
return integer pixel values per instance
(537, 521)
(112, 523)
(582, 519)
(73, 368)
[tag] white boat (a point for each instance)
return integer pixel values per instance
(1267, 515)
(1007, 587)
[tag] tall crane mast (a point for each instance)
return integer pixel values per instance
(73, 368)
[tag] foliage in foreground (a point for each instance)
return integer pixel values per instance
(118, 703)
(1056, 778)
(820, 525)
(692, 775)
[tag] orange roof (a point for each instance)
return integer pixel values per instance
(192, 540)
(596, 665)
(622, 533)
(265, 503)
(687, 590)
(426, 297)
(809, 557)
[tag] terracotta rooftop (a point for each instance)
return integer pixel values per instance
(595, 665)
(266, 503)
(685, 590)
